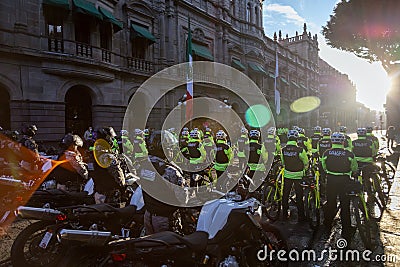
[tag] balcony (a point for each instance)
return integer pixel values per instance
(96, 55)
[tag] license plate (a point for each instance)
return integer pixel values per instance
(45, 240)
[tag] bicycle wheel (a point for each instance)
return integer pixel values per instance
(390, 170)
(386, 173)
(376, 199)
(362, 222)
(271, 202)
(312, 210)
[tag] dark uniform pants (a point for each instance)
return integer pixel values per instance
(287, 187)
(337, 186)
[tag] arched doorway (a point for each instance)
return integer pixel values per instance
(5, 120)
(78, 110)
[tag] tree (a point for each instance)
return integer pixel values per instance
(368, 28)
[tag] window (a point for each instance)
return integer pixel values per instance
(106, 41)
(105, 36)
(256, 14)
(55, 35)
(139, 47)
(82, 29)
(82, 36)
(248, 12)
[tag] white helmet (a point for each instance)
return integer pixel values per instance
(326, 131)
(138, 132)
(244, 130)
(293, 134)
(271, 130)
(254, 134)
(220, 134)
(361, 131)
(124, 132)
(195, 134)
(338, 138)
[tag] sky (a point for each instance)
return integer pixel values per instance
(289, 16)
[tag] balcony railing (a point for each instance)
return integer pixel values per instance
(84, 50)
(106, 55)
(139, 64)
(96, 54)
(56, 45)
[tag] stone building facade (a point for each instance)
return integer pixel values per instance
(338, 101)
(69, 64)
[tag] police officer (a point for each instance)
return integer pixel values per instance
(208, 142)
(339, 163)
(272, 143)
(125, 144)
(364, 148)
(325, 143)
(196, 148)
(197, 154)
(139, 146)
(303, 141)
(241, 144)
(295, 162)
(183, 143)
(146, 135)
(317, 135)
(29, 131)
(71, 174)
(158, 214)
(347, 143)
(223, 153)
(256, 153)
(110, 179)
(373, 138)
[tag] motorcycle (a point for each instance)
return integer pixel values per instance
(38, 244)
(228, 233)
(13, 192)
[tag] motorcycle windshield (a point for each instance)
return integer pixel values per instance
(214, 214)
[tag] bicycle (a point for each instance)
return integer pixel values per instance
(359, 213)
(371, 184)
(386, 172)
(312, 202)
(272, 192)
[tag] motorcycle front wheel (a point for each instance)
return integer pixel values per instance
(28, 249)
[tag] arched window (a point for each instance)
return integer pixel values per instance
(78, 110)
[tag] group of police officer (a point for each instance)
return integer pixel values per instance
(337, 156)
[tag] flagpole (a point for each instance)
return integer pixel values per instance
(277, 93)
(189, 77)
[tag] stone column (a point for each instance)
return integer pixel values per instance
(161, 31)
(170, 37)
(252, 14)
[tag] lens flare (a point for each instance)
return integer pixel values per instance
(305, 104)
(258, 116)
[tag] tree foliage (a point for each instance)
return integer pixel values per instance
(368, 28)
